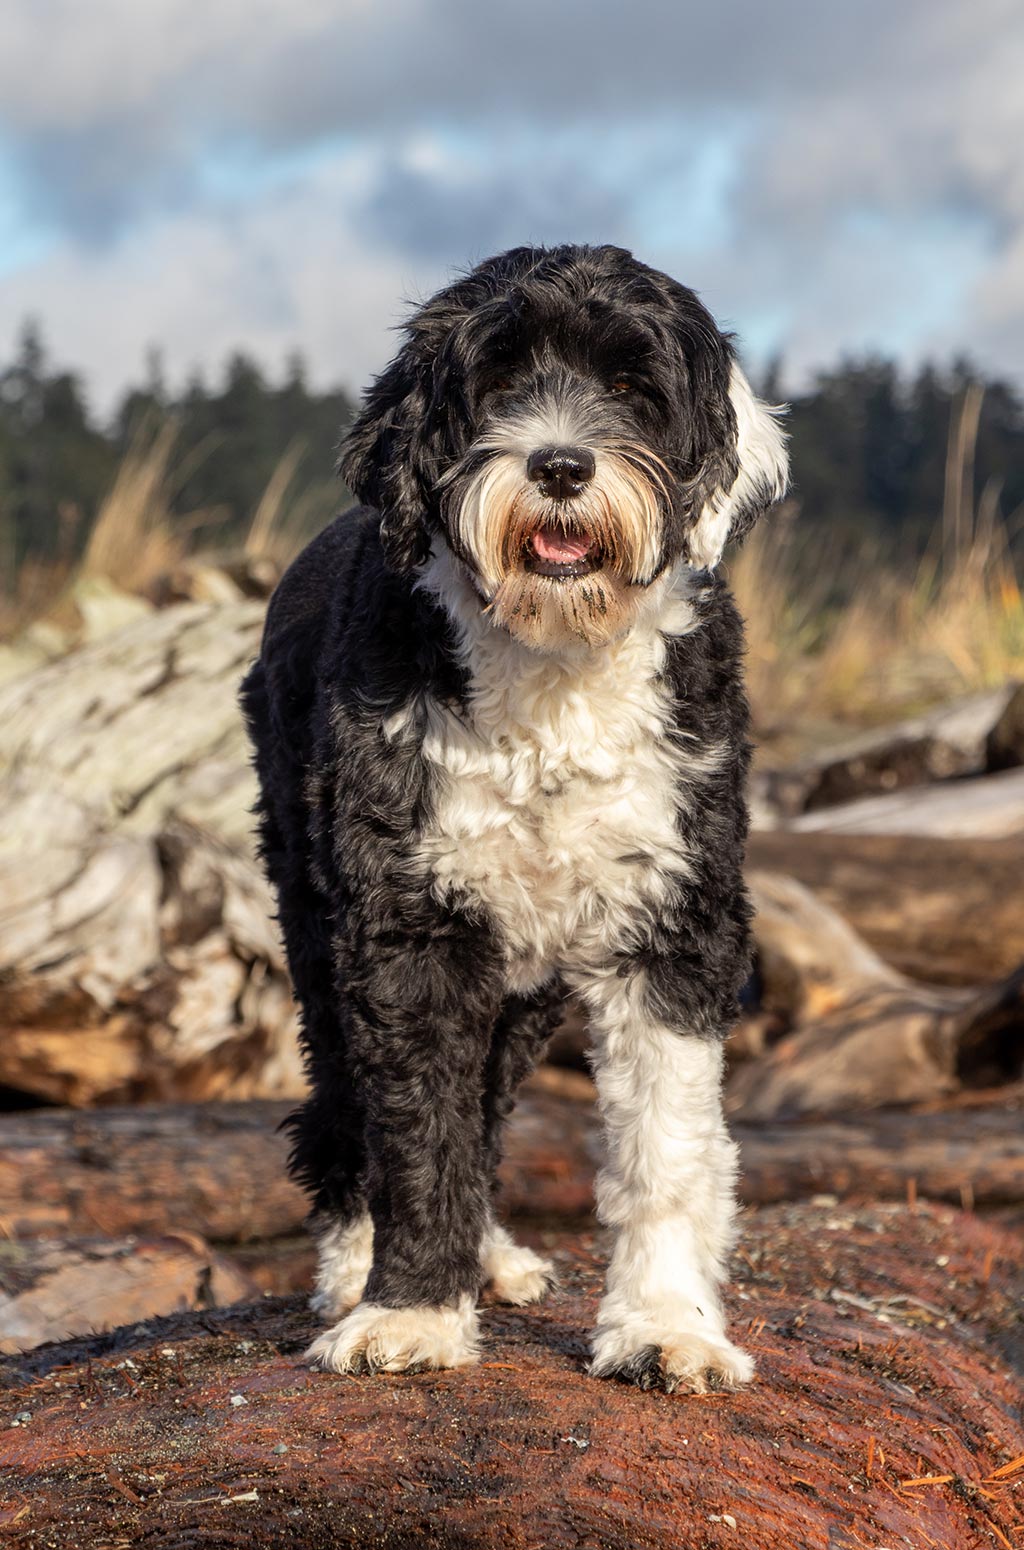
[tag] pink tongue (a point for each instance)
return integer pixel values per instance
(555, 544)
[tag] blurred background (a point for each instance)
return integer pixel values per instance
(212, 217)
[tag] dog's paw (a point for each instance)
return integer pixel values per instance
(515, 1274)
(376, 1339)
(691, 1361)
(344, 1256)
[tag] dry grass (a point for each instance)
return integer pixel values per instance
(897, 642)
(287, 517)
(139, 539)
(136, 538)
(896, 645)
(839, 639)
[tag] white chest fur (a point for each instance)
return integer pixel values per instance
(558, 795)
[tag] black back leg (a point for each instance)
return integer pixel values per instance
(523, 1028)
(515, 1274)
(327, 1130)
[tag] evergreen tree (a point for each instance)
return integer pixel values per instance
(868, 444)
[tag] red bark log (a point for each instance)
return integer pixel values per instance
(886, 1411)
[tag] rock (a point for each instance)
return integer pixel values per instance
(888, 1354)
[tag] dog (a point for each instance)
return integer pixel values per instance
(501, 741)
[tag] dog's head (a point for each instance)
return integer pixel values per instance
(572, 424)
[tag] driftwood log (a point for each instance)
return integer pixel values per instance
(138, 958)
(863, 1035)
(137, 955)
(939, 910)
(967, 737)
(58, 1287)
(218, 1170)
(989, 806)
(886, 1411)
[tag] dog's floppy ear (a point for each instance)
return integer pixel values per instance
(753, 471)
(385, 457)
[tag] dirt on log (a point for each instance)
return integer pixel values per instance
(219, 1169)
(886, 1411)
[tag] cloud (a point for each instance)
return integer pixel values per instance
(123, 102)
(288, 270)
(830, 177)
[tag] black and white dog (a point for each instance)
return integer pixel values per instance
(501, 740)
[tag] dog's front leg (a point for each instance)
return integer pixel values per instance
(419, 1062)
(667, 1193)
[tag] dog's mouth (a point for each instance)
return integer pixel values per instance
(554, 550)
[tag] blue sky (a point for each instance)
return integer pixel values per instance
(831, 178)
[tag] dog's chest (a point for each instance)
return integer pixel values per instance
(556, 808)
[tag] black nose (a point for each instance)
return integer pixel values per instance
(561, 471)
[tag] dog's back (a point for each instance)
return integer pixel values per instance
(279, 691)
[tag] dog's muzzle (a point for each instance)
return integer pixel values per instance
(560, 548)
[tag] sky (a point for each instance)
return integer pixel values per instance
(201, 175)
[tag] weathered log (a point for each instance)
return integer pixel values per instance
(142, 725)
(50, 1290)
(1005, 749)
(954, 740)
(886, 1411)
(137, 954)
(986, 806)
(946, 911)
(864, 1035)
(969, 1150)
(216, 1169)
(219, 1170)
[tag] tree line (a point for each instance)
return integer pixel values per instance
(870, 446)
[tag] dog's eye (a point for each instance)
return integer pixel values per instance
(500, 385)
(620, 385)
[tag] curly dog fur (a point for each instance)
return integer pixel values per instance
(501, 738)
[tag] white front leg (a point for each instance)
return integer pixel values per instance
(667, 1192)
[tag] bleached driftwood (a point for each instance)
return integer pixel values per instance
(864, 1035)
(957, 739)
(987, 806)
(137, 953)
